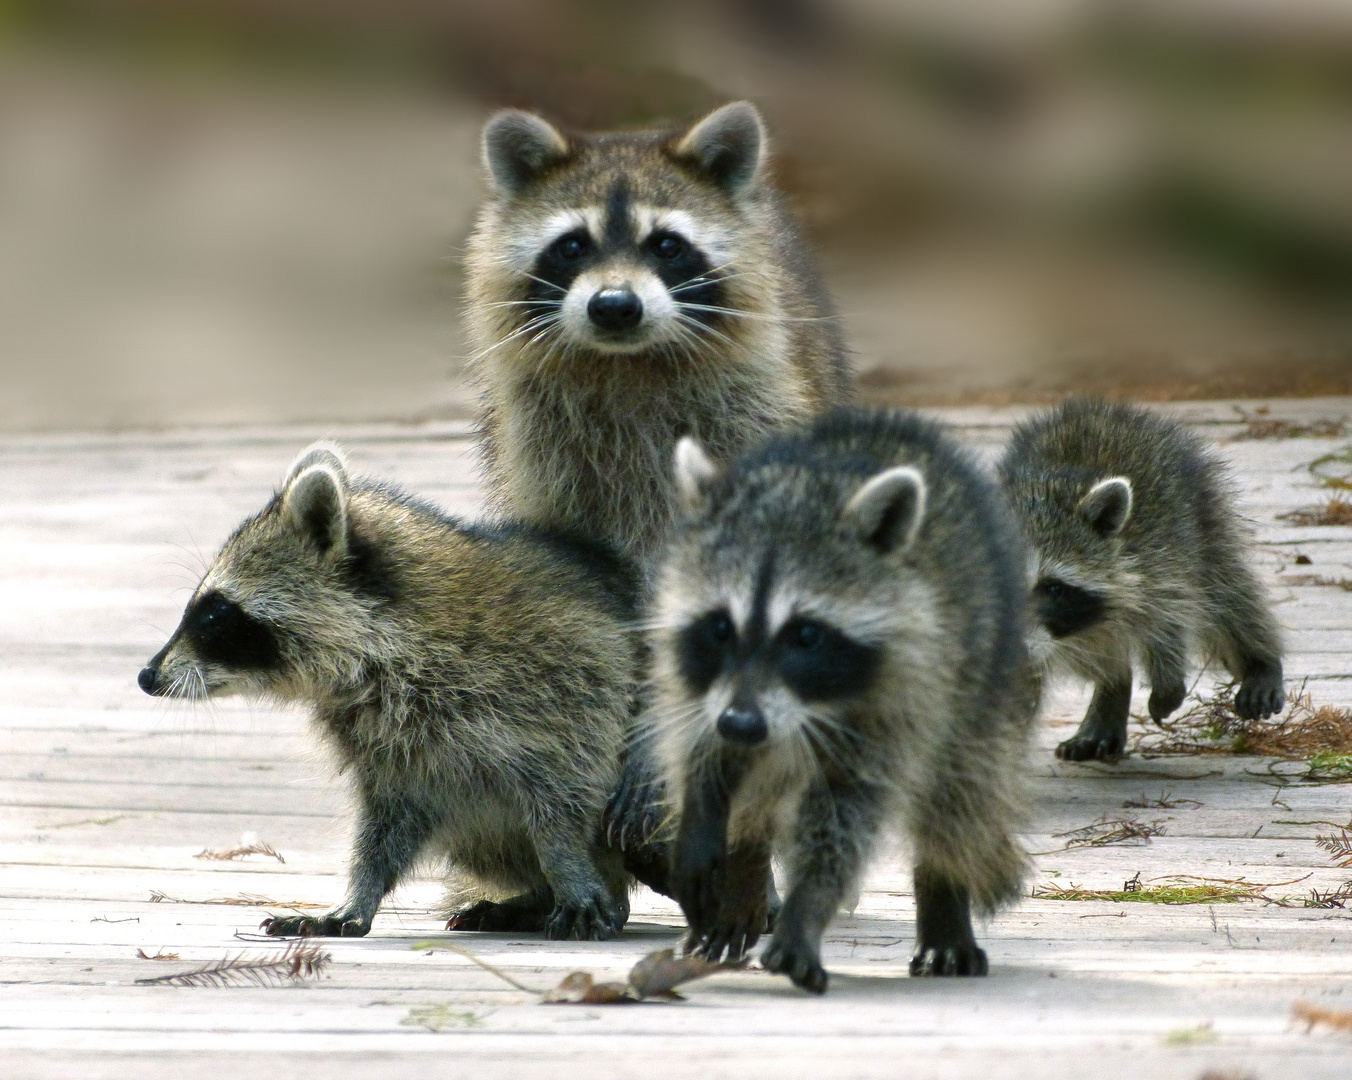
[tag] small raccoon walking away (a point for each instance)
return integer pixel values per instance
(476, 682)
(839, 645)
(1138, 553)
(626, 289)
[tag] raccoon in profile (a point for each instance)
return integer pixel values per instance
(839, 647)
(476, 683)
(626, 289)
(1138, 555)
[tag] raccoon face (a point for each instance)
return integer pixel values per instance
(1076, 564)
(776, 630)
(218, 648)
(1066, 609)
(761, 677)
(608, 260)
(240, 632)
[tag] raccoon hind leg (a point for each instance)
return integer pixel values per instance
(1245, 637)
(1166, 658)
(1103, 732)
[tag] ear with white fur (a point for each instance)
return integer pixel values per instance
(729, 145)
(314, 504)
(1108, 505)
(517, 146)
(322, 452)
(695, 475)
(887, 512)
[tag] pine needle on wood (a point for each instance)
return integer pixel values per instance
(230, 855)
(1339, 845)
(298, 961)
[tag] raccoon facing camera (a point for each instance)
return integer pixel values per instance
(628, 288)
(838, 648)
(1138, 556)
(476, 683)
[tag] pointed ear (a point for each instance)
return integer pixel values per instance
(695, 475)
(1108, 505)
(314, 504)
(729, 145)
(322, 452)
(516, 148)
(886, 513)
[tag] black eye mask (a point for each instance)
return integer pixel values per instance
(816, 661)
(1067, 609)
(222, 632)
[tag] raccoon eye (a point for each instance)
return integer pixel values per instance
(667, 246)
(720, 627)
(809, 635)
(571, 246)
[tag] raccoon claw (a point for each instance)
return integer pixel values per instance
(1092, 748)
(631, 816)
(799, 962)
(1164, 699)
(310, 926)
(1260, 695)
(588, 921)
(968, 960)
(508, 916)
(729, 943)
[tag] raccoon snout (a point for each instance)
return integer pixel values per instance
(615, 309)
(148, 677)
(743, 724)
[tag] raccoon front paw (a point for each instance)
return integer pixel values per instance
(590, 920)
(967, 960)
(799, 961)
(1092, 747)
(313, 926)
(519, 915)
(1165, 698)
(1261, 694)
(698, 885)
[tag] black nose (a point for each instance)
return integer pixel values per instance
(742, 724)
(615, 309)
(146, 680)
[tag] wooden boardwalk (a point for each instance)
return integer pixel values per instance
(110, 795)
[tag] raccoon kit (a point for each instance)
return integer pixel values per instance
(475, 682)
(1139, 557)
(626, 289)
(839, 646)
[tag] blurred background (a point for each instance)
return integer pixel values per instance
(239, 211)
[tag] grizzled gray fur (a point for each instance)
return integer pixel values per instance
(839, 647)
(1138, 556)
(475, 683)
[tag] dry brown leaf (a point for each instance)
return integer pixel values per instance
(141, 954)
(580, 988)
(655, 976)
